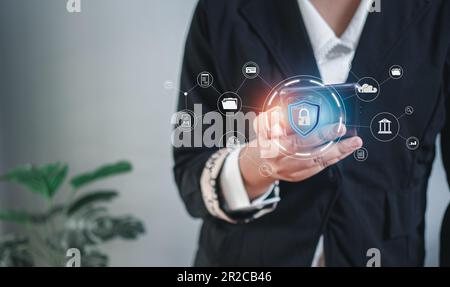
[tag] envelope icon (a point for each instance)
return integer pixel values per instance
(229, 104)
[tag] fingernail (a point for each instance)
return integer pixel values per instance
(356, 142)
(339, 129)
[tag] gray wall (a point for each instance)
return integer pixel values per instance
(438, 199)
(88, 88)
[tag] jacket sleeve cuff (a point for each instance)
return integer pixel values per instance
(210, 188)
(233, 189)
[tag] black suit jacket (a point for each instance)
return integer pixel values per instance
(357, 206)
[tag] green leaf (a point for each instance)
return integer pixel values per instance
(28, 176)
(44, 180)
(100, 173)
(22, 217)
(91, 198)
(55, 175)
(15, 216)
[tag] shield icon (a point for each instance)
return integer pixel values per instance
(303, 117)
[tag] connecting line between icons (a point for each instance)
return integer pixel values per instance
(349, 97)
(186, 94)
(179, 91)
(401, 116)
(358, 126)
(385, 81)
(216, 90)
(191, 89)
(251, 107)
(241, 85)
(354, 75)
(229, 121)
(402, 137)
(265, 82)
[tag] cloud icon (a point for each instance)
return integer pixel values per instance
(367, 89)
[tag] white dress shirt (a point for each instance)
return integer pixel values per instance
(333, 56)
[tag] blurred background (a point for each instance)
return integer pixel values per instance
(88, 88)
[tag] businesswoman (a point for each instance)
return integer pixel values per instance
(329, 210)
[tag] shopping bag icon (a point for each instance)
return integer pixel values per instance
(230, 104)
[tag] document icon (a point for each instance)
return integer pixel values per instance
(230, 104)
(186, 121)
(205, 80)
(360, 154)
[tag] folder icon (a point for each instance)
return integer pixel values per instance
(229, 104)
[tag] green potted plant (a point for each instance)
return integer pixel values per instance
(82, 220)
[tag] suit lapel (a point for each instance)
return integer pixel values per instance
(382, 32)
(280, 26)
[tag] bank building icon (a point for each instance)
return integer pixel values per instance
(384, 127)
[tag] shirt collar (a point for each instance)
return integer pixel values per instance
(326, 45)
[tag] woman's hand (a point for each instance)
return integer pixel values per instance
(270, 136)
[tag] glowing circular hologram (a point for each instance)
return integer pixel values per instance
(312, 115)
(233, 140)
(186, 120)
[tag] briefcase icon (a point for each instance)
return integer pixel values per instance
(396, 72)
(230, 104)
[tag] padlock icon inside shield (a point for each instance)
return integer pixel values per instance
(304, 117)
